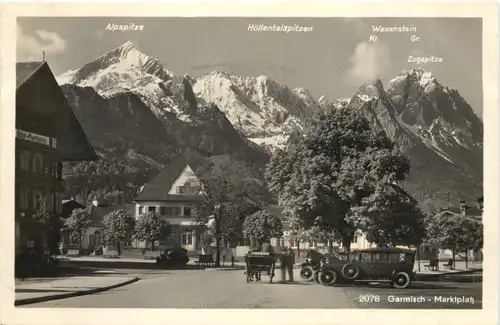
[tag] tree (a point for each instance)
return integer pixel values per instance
(390, 217)
(118, 228)
(77, 224)
(339, 161)
(454, 231)
(227, 190)
(49, 226)
(151, 228)
(262, 226)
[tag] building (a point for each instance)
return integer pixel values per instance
(68, 206)
(473, 212)
(47, 134)
(174, 193)
(92, 238)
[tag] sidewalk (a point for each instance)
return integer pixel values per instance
(45, 289)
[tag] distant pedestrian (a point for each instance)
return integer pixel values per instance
(283, 262)
(289, 264)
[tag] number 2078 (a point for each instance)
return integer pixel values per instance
(369, 298)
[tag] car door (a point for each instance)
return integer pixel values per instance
(365, 263)
(382, 267)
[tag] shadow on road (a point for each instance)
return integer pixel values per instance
(414, 286)
(41, 290)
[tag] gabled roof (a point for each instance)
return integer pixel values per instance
(157, 188)
(68, 206)
(33, 79)
(24, 71)
(97, 213)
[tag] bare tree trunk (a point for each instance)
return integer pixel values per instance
(118, 248)
(454, 251)
(418, 257)
(466, 258)
(346, 242)
(217, 240)
(152, 245)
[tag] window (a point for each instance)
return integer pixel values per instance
(140, 211)
(163, 211)
(22, 161)
(355, 240)
(37, 199)
(54, 168)
(23, 197)
(172, 211)
(187, 189)
(37, 162)
(365, 257)
(380, 257)
(25, 160)
(187, 238)
(393, 257)
(187, 211)
(151, 208)
(173, 233)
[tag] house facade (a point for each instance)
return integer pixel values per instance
(92, 237)
(173, 193)
(47, 134)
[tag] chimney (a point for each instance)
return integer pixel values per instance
(95, 202)
(463, 208)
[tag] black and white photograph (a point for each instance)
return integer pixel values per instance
(264, 163)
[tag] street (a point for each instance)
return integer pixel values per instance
(228, 289)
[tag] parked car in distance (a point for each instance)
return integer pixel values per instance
(381, 264)
(173, 257)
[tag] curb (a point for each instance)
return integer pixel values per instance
(27, 301)
(225, 269)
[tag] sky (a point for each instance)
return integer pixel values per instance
(333, 59)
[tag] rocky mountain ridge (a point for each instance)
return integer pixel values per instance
(152, 114)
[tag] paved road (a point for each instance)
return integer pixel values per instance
(228, 289)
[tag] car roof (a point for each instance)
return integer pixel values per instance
(385, 250)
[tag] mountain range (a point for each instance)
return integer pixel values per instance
(138, 115)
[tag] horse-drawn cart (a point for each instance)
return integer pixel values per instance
(258, 262)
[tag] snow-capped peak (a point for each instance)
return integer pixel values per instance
(124, 61)
(259, 107)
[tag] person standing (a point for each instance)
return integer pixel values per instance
(289, 264)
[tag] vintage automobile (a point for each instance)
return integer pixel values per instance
(381, 264)
(173, 257)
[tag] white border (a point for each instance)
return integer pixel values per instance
(488, 315)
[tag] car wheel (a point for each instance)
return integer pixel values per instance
(327, 277)
(316, 276)
(350, 271)
(401, 280)
(306, 273)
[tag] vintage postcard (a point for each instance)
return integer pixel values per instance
(282, 163)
